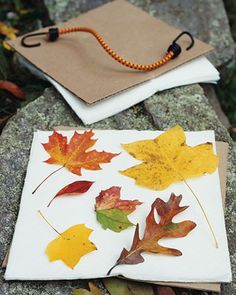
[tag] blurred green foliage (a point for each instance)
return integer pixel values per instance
(24, 15)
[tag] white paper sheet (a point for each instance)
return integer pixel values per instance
(196, 71)
(201, 261)
(199, 70)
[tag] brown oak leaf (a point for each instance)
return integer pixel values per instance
(154, 231)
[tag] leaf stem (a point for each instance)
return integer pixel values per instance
(47, 178)
(196, 198)
(119, 262)
(51, 201)
(203, 211)
(110, 270)
(44, 218)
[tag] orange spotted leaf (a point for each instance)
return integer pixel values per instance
(75, 154)
(74, 188)
(154, 232)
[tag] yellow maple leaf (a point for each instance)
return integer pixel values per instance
(168, 159)
(9, 32)
(71, 245)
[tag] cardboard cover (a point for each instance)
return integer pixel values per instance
(81, 65)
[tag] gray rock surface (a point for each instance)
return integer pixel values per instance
(186, 106)
(206, 20)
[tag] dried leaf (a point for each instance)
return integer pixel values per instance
(93, 290)
(71, 245)
(8, 31)
(155, 231)
(74, 188)
(74, 155)
(112, 212)
(12, 88)
(165, 291)
(7, 46)
(168, 159)
(124, 287)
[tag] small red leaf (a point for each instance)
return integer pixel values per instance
(77, 187)
(12, 88)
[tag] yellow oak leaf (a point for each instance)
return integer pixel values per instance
(168, 159)
(71, 245)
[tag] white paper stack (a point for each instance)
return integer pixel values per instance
(200, 70)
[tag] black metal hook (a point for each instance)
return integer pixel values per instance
(175, 47)
(31, 35)
(52, 35)
(190, 36)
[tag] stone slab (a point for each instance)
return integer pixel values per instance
(186, 106)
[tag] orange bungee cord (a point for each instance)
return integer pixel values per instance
(172, 52)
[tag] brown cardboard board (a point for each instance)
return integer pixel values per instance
(222, 151)
(80, 64)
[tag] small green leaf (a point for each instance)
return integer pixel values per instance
(114, 219)
(116, 286)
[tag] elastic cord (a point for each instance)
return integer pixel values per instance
(170, 54)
